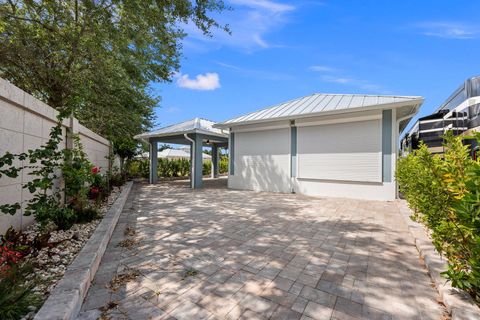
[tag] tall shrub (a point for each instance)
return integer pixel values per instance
(444, 192)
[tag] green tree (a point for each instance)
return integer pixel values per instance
(97, 58)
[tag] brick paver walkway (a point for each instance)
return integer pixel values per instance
(224, 254)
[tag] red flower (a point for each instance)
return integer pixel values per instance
(94, 190)
(9, 255)
(95, 170)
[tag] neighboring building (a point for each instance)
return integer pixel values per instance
(182, 153)
(459, 114)
(324, 144)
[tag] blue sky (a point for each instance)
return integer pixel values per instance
(281, 50)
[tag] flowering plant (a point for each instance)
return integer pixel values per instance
(95, 170)
(8, 256)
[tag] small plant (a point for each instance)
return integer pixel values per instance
(129, 231)
(190, 272)
(16, 297)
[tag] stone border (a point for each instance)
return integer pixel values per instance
(67, 297)
(458, 303)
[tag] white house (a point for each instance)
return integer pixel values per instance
(339, 145)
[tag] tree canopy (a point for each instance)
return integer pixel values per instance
(96, 58)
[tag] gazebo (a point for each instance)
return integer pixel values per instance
(196, 133)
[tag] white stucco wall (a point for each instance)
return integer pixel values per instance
(352, 139)
(25, 123)
(262, 161)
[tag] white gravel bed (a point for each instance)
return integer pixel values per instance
(50, 263)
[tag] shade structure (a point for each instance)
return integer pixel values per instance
(195, 133)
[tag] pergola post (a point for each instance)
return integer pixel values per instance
(153, 161)
(214, 161)
(197, 157)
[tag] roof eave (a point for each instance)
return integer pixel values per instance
(417, 102)
(146, 136)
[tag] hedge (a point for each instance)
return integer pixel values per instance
(168, 168)
(444, 193)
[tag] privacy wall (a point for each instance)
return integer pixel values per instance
(25, 123)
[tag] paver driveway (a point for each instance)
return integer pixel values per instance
(216, 253)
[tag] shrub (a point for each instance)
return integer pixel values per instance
(77, 174)
(138, 168)
(167, 168)
(223, 165)
(207, 168)
(184, 167)
(116, 178)
(444, 192)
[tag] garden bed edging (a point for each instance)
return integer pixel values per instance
(66, 299)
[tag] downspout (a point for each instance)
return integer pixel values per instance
(192, 152)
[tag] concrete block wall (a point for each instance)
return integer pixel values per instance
(25, 123)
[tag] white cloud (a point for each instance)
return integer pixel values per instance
(258, 40)
(448, 30)
(251, 23)
(341, 80)
(207, 81)
(321, 69)
(265, 4)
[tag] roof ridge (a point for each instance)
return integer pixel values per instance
(365, 95)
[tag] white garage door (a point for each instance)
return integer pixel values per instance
(262, 160)
(345, 151)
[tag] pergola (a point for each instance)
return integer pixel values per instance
(196, 133)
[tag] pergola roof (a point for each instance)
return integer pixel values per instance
(197, 125)
(321, 104)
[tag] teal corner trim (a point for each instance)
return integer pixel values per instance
(293, 152)
(387, 146)
(153, 161)
(231, 149)
(198, 163)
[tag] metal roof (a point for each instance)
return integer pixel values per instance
(319, 103)
(197, 125)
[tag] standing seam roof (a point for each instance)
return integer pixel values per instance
(317, 103)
